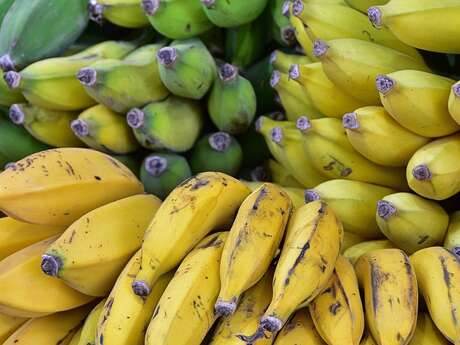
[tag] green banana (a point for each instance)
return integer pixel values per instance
(187, 68)
(35, 30)
(281, 28)
(363, 5)
(229, 14)
(452, 240)
(133, 162)
(173, 124)
(282, 61)
(232, 102)
(217, 152)
(125, 13)
(454, 102)
(162, 172)
(9, 96)
(4, 7)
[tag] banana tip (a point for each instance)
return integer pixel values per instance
(259, 123)
(375, 16)
(208, 3)
(87, 76)
(385, 209)
(303, 123)
(275, 78)
(422, 172)
(260, 174)
(288, 35)
(286, 8)
(310, 195)
(220, 141)
(297, 7)
(135, 118)
(456, 90)
(51, 265)
(6, 63)
(320, 48)
(80, 127)
(384, 83)
(223, 308)
(350, 121)
(276, 134)
(140, 288)
(228, 72)
(294, 71)
(150, 7)
(271, 324)
(167, 56)
(156, 165)
(16, 114)
(456, 251)
(12, 79)
(273, 57)
(95, 11)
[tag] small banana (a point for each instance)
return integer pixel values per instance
(9, 96)
(228, 14)
(8, 325)
(185, 312)
(378, 137)
(363, 5)
(108, 236)
(391, 295)
(355, 252)
(454, 102)
(452, 240)
(125, 13)
(411, 222)
(426, 332)
(197, 206)
(299, 330)
(280, 176)
(88, 331)
(282, 61)
(428, 115)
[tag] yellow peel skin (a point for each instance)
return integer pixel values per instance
(355, 252)
(426, 332)
(88, 331)
(125, 13)
(8, 325)
(454, 102)
(299, 330)
(452, 240)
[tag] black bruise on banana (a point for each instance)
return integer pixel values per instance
(335, 163)
(377, 278)
(260, 197)
(446, 277)
(213, 242)
(409, 273)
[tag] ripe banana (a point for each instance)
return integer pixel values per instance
(124, 319)
(109, 236)
(228, 14)
(200, 204)
(51, 127)
(378, 137)
(363, 5)
(8, 325)
(9, 96)
(337, 312)
(355, 252)
(173, 124)
(411, 222)
(433, 172)
(302, 35)
(452, 240)
(88, 331)
(438, 276)
(185, 311)
(418, 101)
(282, 61)
(300, 330)
(26, 292)
(280, 176)
(295, 194)
(125, 13)
(391, 295)
(42, 188)
(350, 239)
(426, 332)
(257, 231)
(454, 102)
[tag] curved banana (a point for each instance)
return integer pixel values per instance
(88, 330)
(454, 102)
(355, 252)
(426, 332)
(282, 61)
(229, 14)
(125, 13)
(299, 330)
(295, 194)
(452, 240)
(8, 325)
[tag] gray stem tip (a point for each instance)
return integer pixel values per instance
(375, 16)
(294, 71)
(273, 57)
(87, 76)
(223, 308)
(385, 209)
(156, 165)
(51, 265)
(10, 165)
(310, 195)
(150, 7)
(167, 56)
(297, 7)
(258, 124)
(350, 121)
(80, 127)
(288, 35)
(220, 141)
(285, 8)
(252, 339)
(16, 114)
(12, 79)
(456, 90)
(6, 64)
(95, 11)
(384, 83)
(140, 288)
(228, 72)
(208, 3)
(260, 174)
(135, 118)
(276, 134)
(456, 251)
(320, 48)
(303, 123)
(422, 172)
(271, 324)
(275, 78)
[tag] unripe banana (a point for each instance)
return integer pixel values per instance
(452, 240)
(88, 331)
(349, 240)
(363, 5)
(426, 332)
(337, 312)
(185, 312)
(429, 115)
(438, 276)
(355, 252)
(42, 188)
(253, 233)
(9, 96)
(433, 171)
(232, 101)
(299, 330)
(454, 102)
(125, 13)
(411, 222)
(196, 207)
(108, 236)
(402, 17)
(391, 295)
(217, 152)
(281, 28)
(173, 124)
(177, 19)
(378, 137)
(162, 172)
(8, 325)
(187, 68)
(280, 176)
(228, 14)
(282, 61)
(51, 127)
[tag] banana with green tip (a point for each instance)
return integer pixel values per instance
(125, 13)
(299, 330)
(9, 96)
(452, 240)
(355, 252)
(88, 330)
(363, 5)
(282, 61)
(426, 332)
(8, 325)
(454, 102)
(228, 14)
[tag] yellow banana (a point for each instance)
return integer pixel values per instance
(92, 252)
(26, 292)
(454, 102)
(8, 325)
(378, 137)
(391, 295)
(282, 61)
(418, 101)
(185, 311)
(411, 222)
(329, 99)
(301, 35)
(51, 127)
(337, 312)
(452, 240)
(125, 317)
(44, 188)
(280, 176)
(257, 231)
(88, 331)
(350, 239)
(125, 13)
(403, 16)
(363, 5)
(295, 194)
(197, 206)
(433, 171)
(438, 276)
(355, 252)
(102, 129)
(367, 340)
(76, 337)
(300, 330)
(354, 202)
(426, 332)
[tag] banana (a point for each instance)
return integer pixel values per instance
(76, 337)
(257, 231)
(355, 252)
(452, 240)
(125, 84)
(125, 13)
(295, 194)
(363, 5)
(16, 235)
(326, 143)
(282, 61)
(367, 340)
(133, 162)
(185, 311)
(428, 115)
(337, 312)
(173, 124)
(349, 240)
(438, 276)
(42, 188)
(51, 83)
(88, 331)
(432, 171)
(58, 328)
(378, 137)
(426, 332)
(402, 16)
(411, 222)
(177, 19)
(162, 172)
(124, 317)
(302, 35)
(216, 152)
(454, 102)
(353, 65)
(25, 290)
(109, 236)
(245, 318)
(329, 99)
(281, 28)
(9, 96)
(391, 295)
(280, 176)
(32, 31)
(8, 325)
(299, 330)
(102, 129)
(49, 126)
(232, 101)
(228, 14)
(197, 206)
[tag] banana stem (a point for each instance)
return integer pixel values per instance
(456, 251)
(385, 209)
(350, 121)
(16, 114)
(156, 165)
(456, 90)
(297, 7)
(384, 83)
(251, 339)
(375, 16)
(275, 78)
(260, 174)
(135, 118)
(87, 76)
(141, 288)
(310, 195)
(220, 141)
(320, 48)
(167, 56)
(6, 64)
(288, 35)
(51, 265)
(422, 172)
(303, 123)
(285, 8)
(12, 79)
(271, 324)
(294, 72)
(276, 134)
(224, 308)
(150, 6)
(80, 127)
(96, 11)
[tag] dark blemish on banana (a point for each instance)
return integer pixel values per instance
(213, 242)
(262, 194)
(69, 169)
(199, 184)
(334, 308)
(98, 178)
(72, 236)
(422, 239)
